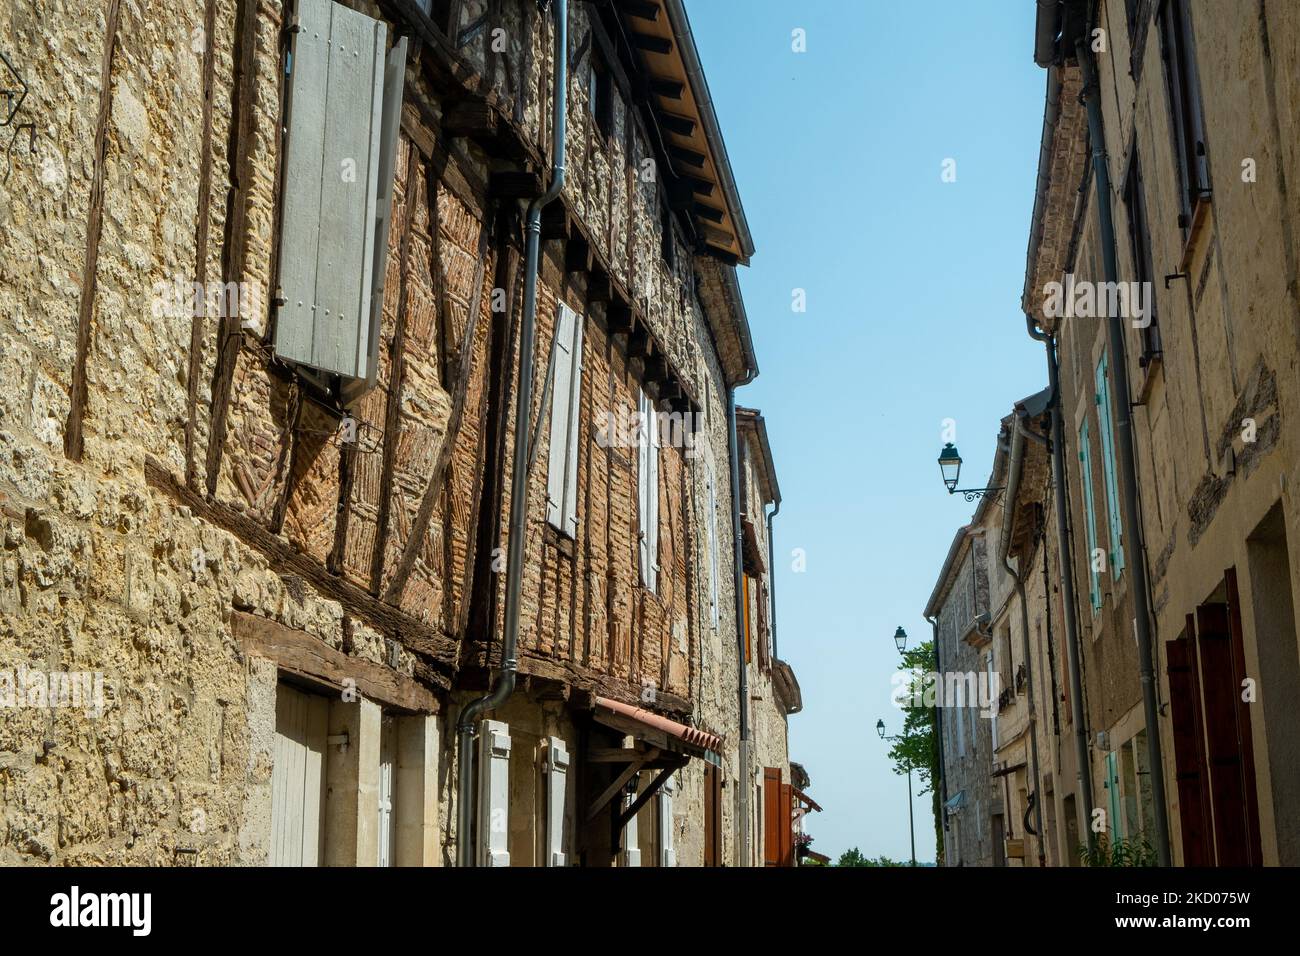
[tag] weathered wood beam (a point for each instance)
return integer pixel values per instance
(621, 781)
(680, 125)
(599, 287)
(644, 796)
(641, 9)
(473, 118)
(640, 343)
(688, 156)
(652, 44)
(709, 212)
(619, 319)
(577, 255)
(307, 656)
(667, 88)
(284, 560)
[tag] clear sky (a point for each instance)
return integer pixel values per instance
(913, 288)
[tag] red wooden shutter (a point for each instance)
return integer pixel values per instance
(1189, 760)
(1243, 719)
(771, 816)
(787, 825)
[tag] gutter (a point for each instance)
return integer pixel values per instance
(771, 574)
(1078, 717)
(1123, 421)
(742, 668)
(1004, 544)
(505, 684)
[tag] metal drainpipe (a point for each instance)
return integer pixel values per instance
(1077, 716)
(938, 732)
(771, 574)
(519, 477)
(1013, 484)
(1127, 461)
(742, 689)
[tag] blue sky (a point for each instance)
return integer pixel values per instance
(913, 288)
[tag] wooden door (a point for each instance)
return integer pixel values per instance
(298, 778)
(1189, 761)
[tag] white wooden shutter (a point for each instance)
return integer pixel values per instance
(334, 154)
(557, 769)
(648, 491)
(664, 798)
(631, 839)
(493, 793)
(566, 391)
(711, 519)
(298, 778)
(387, 763)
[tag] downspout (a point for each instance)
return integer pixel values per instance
(1083, 769)
(742, 682)
(938, 734)
(1008, 509)
(1127, 462)
(505, 684)
(771, 575)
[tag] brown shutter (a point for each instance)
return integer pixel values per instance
(1189, 749)
(712, 816)
(787, 825)
(771, 816)
(1246, 743)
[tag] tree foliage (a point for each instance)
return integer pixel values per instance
(855, 857)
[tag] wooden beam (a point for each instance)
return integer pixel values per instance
(284, 560)
(640, 343)
(709, 212)
(306, 655)
(470, 118)
(681, 125)
(72, 437)
(555, 221)
(656, 369)
(641, 9)
(667, 88)
(599, 286)
(716, 236)
(688, 156)
(630, 771)
(644, 796)
(652, 44)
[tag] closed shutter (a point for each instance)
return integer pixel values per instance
(1108, 467)
(387, 764)
(298, 778)
(787, 825)
(1089, 516)
(562, 463)
(648, 491)
(771, 816)
(557, 770)
(1116, 822)
(711, 519)
(667, 852)
(493, 793)
(337, 187)
(631, 837)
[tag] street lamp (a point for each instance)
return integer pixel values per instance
(950, 468)
(911, 825)
(900, 639)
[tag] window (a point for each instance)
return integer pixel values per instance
(648, 491)
(1187, 122)
(562, 464)
(1139, 240)
(600, 95)
(344, 108)
(1108, 468)
(1089, 517)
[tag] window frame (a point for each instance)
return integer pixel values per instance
(1186, 109)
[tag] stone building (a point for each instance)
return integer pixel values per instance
(265, 322)
(1168, 164)
(959, 609)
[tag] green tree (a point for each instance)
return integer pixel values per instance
(917, 747)
(854, 857)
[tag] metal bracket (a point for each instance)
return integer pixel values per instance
(1174, 275)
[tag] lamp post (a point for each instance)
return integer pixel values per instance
(950, 468)
(911, 826)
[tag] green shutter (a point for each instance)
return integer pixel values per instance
(1112, 785)
(1090, 514)
(1108, 467)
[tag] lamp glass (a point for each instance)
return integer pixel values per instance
(950, 466)
(880, 728)
(900, 640)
